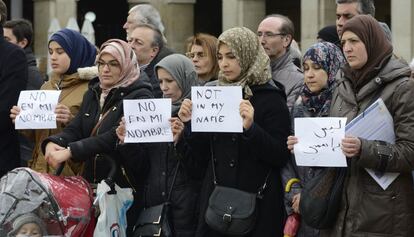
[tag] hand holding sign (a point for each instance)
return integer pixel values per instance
(185, 110)
(351, 146)
(14, 111)
(247, 113)
(63, 114)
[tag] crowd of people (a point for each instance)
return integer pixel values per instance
(204, 179)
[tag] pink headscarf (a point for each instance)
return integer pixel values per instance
(127, 59)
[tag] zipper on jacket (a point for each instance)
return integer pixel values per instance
(127, 178)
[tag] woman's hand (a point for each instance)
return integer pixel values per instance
(351, 146)
(50, 149)
(177, 128)
(246, 112)
(55, 158)
(14, 111)
(121, 130)
(185, 110)
(291, 141)
(296, 202)
(63, 114)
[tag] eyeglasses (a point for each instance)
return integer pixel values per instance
(268, 34)
(192, 55)
(111, 65)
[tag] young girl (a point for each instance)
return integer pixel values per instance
(71, 58)
(321, 62)
(248, 160)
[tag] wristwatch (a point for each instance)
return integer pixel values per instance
(384, 152)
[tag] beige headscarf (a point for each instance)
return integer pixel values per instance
(127, 59)
(253, 60)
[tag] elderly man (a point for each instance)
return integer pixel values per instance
(144, 32)
(13, 79)
(275, 33)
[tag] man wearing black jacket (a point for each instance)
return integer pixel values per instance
(13, 79)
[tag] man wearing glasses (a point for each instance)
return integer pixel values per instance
(275, 34)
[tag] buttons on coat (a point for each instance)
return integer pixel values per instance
(232, 163)
(163, 173)
(163, 193)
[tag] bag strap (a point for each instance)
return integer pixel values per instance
(260, 192)
(174, 177)
(98, 124)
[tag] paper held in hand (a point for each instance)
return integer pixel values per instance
(375, 123)
(37, 109)
(216, 109)
(147, 120)
(319, 142)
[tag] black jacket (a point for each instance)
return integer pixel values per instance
(13, 79)
(243, 160)
(35, 80)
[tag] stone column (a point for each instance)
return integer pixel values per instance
(402, 23)
(16, 9)
(44, 12)
(246, 13)
(177, 17)
(315, 14)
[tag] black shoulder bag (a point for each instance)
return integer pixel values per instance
(154, 221)
(232, 211)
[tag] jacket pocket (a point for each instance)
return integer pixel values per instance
(375, 211)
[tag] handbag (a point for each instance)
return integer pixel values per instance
(232, 211)
(321, 198)
(154, 221)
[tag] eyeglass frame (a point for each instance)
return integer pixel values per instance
(191, 55)
(102, 64)
(269, 34)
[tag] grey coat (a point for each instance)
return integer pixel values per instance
(290, 76)
(367, 209)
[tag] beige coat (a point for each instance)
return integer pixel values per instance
(73, 87)
(367, 209)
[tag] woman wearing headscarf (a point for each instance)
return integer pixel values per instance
(176, 75)
(248, 160)
(373, 72)
(91, 134)
(71, 58)
(321, 63)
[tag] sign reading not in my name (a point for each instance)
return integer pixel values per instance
(216, 109)
(147, 120)
(37, 109)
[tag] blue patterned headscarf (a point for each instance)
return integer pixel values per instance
(77, 47)
(330, 58)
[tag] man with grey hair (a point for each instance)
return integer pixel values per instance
(346, 9)
(143, 14)
(275, 33)
(13, 79)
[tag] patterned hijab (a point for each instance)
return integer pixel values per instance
(329, 57)
(379, 49)
(253, 60)
(182, 70)
(127, 60)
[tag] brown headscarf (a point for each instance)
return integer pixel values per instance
(379, 49)
(127, 59)
(253, 60)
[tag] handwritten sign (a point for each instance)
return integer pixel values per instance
(216, 109)
(148, 120)
(37, 109)
(319, 142)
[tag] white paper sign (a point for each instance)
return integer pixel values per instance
(216, 109)
(37, 109)
(319, 142)
(148, 120)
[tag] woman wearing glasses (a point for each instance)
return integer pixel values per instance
(201, 49)
(71, 73)
(91, 135)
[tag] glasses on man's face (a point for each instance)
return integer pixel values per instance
(269, 34)
(112, 65)
(192, 55)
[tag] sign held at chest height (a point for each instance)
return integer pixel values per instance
(216, 109)
(148, 120)
(37, 109)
